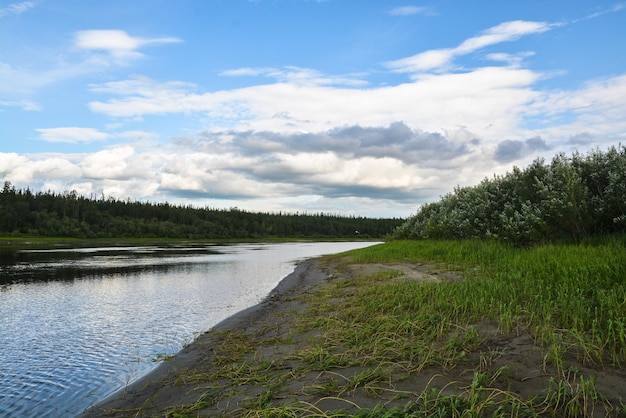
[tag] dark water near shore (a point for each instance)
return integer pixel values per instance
(77, 325)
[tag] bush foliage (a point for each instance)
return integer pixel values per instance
(569, 198)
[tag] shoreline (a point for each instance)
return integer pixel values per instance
(305, 275)
(327, 342)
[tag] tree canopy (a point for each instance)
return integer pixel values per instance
(68, 214)
(569, 198)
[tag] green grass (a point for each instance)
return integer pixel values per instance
(570, 299)
(572, 295)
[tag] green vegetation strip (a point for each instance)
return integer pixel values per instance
(381, 345)
(24, 213)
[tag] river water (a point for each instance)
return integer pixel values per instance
(76, 325)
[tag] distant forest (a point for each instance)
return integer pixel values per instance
(568, 199)
(68, 214)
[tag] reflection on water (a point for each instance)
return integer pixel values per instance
(69, 264)
(80, 324)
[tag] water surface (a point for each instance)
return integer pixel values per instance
(77, 325)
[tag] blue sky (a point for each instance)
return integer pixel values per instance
(366, 108)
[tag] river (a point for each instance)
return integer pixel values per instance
(77, 325)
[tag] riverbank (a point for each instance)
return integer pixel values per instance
(397, 329)
(175, 382)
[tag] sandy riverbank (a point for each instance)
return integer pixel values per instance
(263, 359)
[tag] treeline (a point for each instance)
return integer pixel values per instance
(570, 198)
(68, 214)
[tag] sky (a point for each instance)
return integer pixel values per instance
(350, 107)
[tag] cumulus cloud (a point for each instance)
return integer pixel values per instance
(583, 138)
(27, 170)
(259, 170)
(111, 164)
(195, 177)
(365, 161)
(119, 173)
(511, 150)
(9, 162)
(72, 135)
(441, 59)
(397, 141)
(53, 167)
(16, 8)
(313, 141)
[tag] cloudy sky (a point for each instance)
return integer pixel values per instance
(365, 108)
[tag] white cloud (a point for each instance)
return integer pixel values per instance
(304, 137)
(26, 170)
(410, 10)
(293, 142)
(24, 104)
(116, 42)
(474, 99)
(513, 60)
(190, 181)
(382, 173)
(306, 100)
(104, 49)
(54, 168)
(139, 136)
(227, 169)
(117, 172)
(134, 188)
(71, 135)
(16, 8)
(311, 141)
(248, 72)
(143, 86)
(113, 164)
(297, 75)
(428, 60)
(99, 49)
(614, 8)
(440, 59)
(9, 162)
(504, 32)
(597, 108)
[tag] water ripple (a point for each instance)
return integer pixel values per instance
(78, 325)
